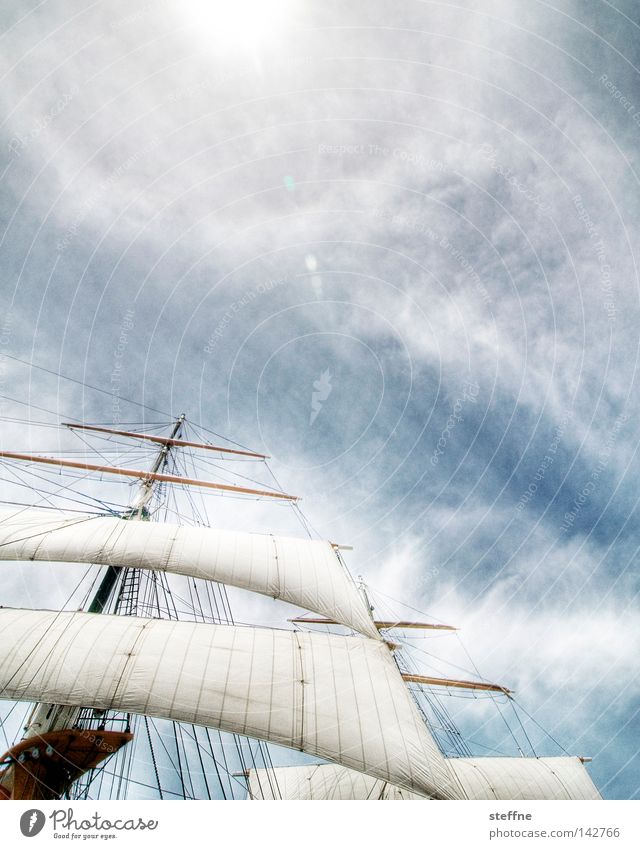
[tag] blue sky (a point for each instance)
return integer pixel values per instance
(393, 246)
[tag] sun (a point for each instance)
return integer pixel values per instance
(237, 24)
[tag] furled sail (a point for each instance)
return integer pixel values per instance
(481, 778)
(306, 573)
(339, 698)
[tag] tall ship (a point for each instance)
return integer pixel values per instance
(142, 684)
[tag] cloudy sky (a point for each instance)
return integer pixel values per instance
(393, 245)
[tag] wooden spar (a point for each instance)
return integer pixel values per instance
(146, 476)
(313, 620)
(165, 440)
(426, 625)
(379, 624)
(449, 682)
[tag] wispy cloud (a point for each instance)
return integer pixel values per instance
(324, 241)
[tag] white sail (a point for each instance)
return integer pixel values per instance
(339, 698)
(524, 778)
(481, 778)
(321, 781)
(306, 573)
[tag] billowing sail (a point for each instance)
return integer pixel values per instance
(481, 778)
(339, 698)
(524, 778)
(321, 781)
(306, 573)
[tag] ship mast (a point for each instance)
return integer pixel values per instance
(44, 717)
(137, 512)
(57, 748)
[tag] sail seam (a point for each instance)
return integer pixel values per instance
(276, 563)
(300, 655)
(131, 653)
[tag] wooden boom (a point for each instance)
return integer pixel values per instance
(302, 620)
(146, 476)
(402, 624)
(450, 682)
(164, 440)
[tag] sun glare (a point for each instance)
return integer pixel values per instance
(239, 23)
